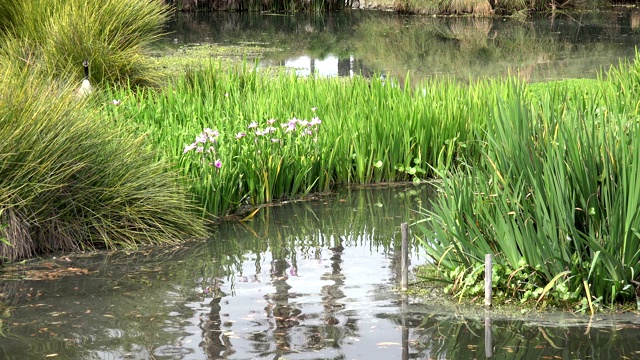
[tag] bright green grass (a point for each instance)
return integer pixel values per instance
(370, 131)
(555, 197)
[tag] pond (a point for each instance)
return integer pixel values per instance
(303, 280)
(374, 43)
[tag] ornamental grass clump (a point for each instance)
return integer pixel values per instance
(70, 179)
(555, 197)
(113, 35)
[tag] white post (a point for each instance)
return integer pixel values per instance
(488, 270)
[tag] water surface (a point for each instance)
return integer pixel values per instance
(305, 280)
(539, 48)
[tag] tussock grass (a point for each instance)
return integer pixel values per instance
(69, 179)
(7, 15)
(371, 131)
(113, 35)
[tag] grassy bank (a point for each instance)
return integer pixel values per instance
(429, 7)
(541, 176)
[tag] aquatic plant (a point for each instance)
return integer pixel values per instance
(372, 130)
(554, 197)
(71, 180)
(267, 161)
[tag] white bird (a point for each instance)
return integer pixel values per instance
(85, 88)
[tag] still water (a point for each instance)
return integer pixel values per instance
(305, 280)
(373, 43)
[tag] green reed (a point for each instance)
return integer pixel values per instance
(371, 130)
(554, 196)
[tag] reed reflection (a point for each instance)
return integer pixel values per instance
(456, 337)
(297, 270)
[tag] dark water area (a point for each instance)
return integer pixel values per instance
(304, 280)
(374, 43)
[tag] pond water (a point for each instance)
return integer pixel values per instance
(539, 48)
(319, 279)
(305, 280)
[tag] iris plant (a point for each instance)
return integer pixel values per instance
(208, 140)
(268, 161)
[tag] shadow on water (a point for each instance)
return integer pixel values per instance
(539, 48)
(304, 280)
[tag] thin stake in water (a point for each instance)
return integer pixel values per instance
(488, 269)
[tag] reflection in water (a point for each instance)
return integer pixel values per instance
(214, 340)
(324, 263)
(532, 339)
(306, 280)
(539, 48)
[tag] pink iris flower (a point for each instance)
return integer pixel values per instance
(189, 148)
